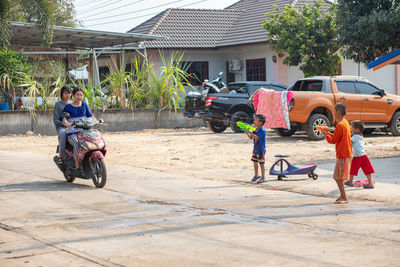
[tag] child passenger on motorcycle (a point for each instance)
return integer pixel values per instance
(76, 109)
(65, 96)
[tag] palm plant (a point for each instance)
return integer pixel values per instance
(7, 88)
(167, 87)
(93, 96)
(117, 80)
(137, 91)
(35, 91)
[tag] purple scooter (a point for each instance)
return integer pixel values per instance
(291, 169)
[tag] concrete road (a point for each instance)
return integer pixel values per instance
(145, 217)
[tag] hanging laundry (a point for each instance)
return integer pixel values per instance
(274, 106)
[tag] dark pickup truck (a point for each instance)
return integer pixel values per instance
(227, 107)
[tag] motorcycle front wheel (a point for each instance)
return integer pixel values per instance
(69, 177)
(99, 176)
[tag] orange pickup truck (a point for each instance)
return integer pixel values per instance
(315, 97)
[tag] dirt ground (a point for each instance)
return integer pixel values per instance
(200, 153)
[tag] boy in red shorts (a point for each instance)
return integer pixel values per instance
(360, 158)
(258, 157)
(344, 152)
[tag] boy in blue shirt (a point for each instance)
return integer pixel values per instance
(258, 157)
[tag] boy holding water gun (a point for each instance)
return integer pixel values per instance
(344, 152)
(258, 157)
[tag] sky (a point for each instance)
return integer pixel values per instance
(123, 15)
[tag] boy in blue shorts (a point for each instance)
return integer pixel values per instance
(258, 157)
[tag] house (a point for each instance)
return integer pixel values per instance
(232, 40)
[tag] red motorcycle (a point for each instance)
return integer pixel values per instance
(92, 150)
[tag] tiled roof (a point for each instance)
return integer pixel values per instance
(189, 28)
(240, 23)
(248, 29)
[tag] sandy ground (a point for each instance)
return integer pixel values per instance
(200, 153)
(183, 198)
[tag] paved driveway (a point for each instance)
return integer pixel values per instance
(151, 218)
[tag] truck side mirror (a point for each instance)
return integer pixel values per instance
(382, 92)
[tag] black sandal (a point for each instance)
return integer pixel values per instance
(348, 184)
(368, 186)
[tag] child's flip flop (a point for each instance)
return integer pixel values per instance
(341, 201)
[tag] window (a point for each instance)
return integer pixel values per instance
(312, 86)
(368, 89)
(198, 71)
(296, 86)
(239, 88)
(103, 72)
(255, 69)
(347, 87)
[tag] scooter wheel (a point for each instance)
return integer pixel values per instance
(69, 177)
(100, 176)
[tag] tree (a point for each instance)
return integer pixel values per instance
(307, 37)
(39, 11)
(63, 13)
(368, 28)
(13, 65)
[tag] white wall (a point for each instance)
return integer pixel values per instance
(244, 53)
(294, 73)
(384, 77)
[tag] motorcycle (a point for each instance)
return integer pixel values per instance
(214, 86)
(92, 150)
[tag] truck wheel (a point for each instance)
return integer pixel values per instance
(239, 116)
(395, 124)
(285, 132)
(314, 121)
(217, 126)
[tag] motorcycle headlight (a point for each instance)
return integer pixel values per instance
(102, 144)
(91, 146)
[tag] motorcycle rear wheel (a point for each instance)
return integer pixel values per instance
(100, 176)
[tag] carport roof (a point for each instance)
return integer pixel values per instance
(391, 58)
(28, 34)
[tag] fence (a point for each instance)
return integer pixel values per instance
(19, 122)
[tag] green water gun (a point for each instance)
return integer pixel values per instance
(245, 126)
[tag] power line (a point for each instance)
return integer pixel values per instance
(108, 11)
(91, 2)
(111, 22)
(136, 11)
(88, 10)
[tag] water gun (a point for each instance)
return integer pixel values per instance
(245, 126)
(325, 128)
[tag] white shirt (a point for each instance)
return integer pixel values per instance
(358, 145)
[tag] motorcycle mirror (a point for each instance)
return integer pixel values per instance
(220, 73)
